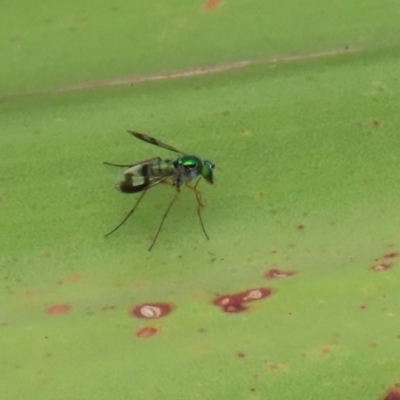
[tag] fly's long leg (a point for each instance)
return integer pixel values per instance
(163, 218)
(129, 214)
(199, 205)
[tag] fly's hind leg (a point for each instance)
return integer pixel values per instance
(129, 214)
(163, 218)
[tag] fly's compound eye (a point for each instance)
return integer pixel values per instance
(207, 171)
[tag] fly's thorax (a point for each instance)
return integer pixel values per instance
(188, 168)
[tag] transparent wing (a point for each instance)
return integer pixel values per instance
(135, 184)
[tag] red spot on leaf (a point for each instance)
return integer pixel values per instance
(393, 393)
(152, 310)
(58, 309)
(381, 267)
(278, 274)
(234, 308)
(255, 294)
(148, 331)
(212, 4)
(234, 303)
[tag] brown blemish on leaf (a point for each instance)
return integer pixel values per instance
(151, 310)
(148, 331)
(74, 278)
(275, 367)
(325, 350)
(261, 195)
(278, 274)
(240, 354)
(376, 123)
(300, 227)
(391, 255)
(252, 389)
(363, 307)
(58, 309)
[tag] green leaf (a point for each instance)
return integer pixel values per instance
(306, 149)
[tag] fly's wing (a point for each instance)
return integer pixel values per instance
(145, 175)
(156, 142)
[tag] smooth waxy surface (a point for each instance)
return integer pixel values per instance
(295, 295)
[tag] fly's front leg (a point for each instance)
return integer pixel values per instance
(198, 193)
(173, 182)
(199, 205)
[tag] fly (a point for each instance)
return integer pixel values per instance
(143, 175)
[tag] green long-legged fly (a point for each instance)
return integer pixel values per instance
(141, 176)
